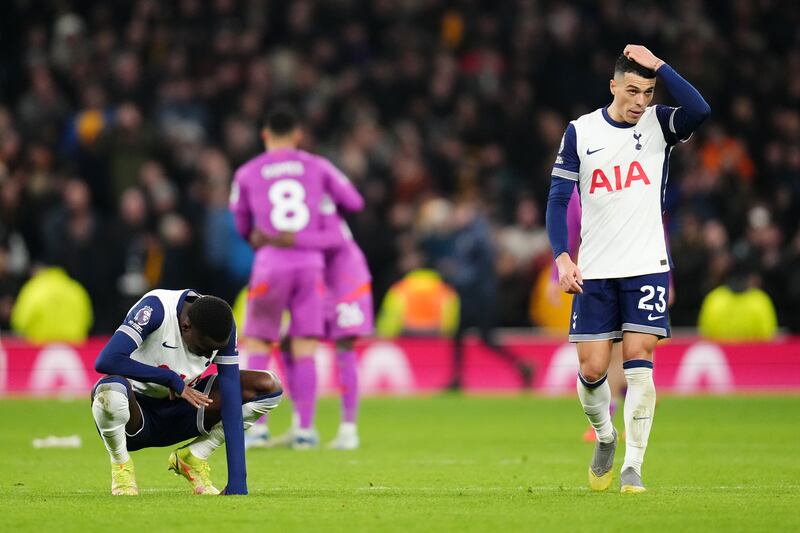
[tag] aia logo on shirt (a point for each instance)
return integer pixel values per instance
(601, 181)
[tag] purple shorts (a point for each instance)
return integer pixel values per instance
(299, 291)
(348, 305)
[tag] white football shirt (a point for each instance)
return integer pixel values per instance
(621, 170)
(153, 324)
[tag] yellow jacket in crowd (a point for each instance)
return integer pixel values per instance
(52, 307)
(737, 316)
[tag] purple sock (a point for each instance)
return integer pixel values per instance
(288, 369)
(612, 408)
(348, 385)
(304, 387)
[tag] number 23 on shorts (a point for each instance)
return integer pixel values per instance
(650, 291)
(649, 296)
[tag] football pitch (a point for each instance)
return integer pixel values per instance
(442, 463)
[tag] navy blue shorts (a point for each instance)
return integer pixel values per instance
(608, 307)
(168, 422)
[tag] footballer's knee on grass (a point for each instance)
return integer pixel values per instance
(123, 404)
(261, 392)
(259, 383)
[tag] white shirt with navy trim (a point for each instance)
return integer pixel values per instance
(621, 170)
(153, 324)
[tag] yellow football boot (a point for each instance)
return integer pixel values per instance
(196, 471)
(600, 474)
(123, 479)
(630, 482)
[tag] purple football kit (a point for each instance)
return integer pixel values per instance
(283, 191)
(348, 303)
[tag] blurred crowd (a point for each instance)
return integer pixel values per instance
(121, 124)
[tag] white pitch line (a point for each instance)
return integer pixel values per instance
(462, 490)
(550, 488)
(545, 488)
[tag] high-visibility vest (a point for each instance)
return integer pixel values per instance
(420, 303)
(726, 315)
(52, 307)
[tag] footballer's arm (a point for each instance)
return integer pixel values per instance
(227, 362)
(681, 121)
(115, 357)
(240, 206)
(564, 176)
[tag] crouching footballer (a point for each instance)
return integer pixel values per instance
(153, 395)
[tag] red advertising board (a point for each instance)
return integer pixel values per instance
(420, 365)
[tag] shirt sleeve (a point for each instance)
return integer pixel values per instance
(565, 174)
(340, 188)
(143, 318)
(232, 423)
(240, 207)
(573, 228)
(556, 217)
(567, 164)
(678, 123)
(115, 358)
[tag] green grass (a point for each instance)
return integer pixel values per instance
(427, 464)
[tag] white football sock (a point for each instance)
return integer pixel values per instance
(640, 403)
(347, 429)
(203, 446)
(111, 413)
(252, 411)
(596, 400)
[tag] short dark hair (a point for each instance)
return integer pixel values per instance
(624, 65)
(281, 120)
(212, 317)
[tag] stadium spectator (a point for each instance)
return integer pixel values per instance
(523, 249)
(76, 239)
(9, 287)
(134, 249)
(468, 264)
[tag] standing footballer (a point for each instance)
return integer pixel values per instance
(619, 156)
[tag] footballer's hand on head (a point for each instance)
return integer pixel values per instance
(195, 397)
(643, 56)
(569, 275)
